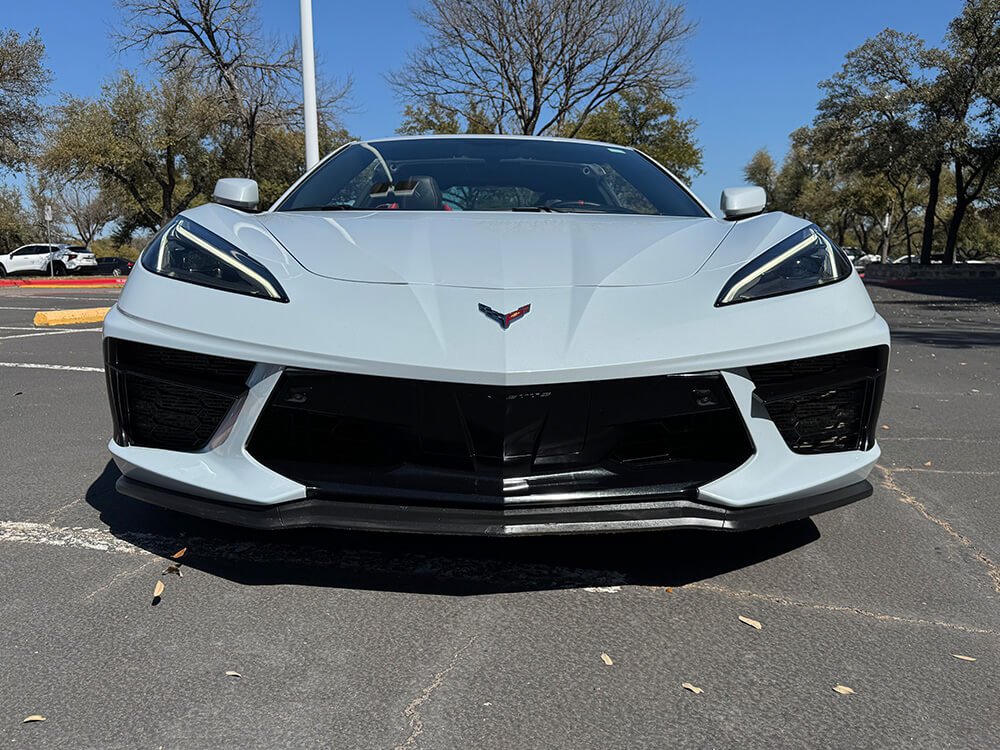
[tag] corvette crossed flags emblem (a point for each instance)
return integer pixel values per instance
(502, 320)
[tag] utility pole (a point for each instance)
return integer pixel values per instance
(48, 240)
(309, 84)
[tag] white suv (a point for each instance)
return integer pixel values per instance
(37, 258)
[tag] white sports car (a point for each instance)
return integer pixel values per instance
(493, 335)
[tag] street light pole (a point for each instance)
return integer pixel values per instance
(309, 84)
(48, 240)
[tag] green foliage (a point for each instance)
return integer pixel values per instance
(649, 122)
(23, 80)
(15, 226)
(435, 118)
(150, 148)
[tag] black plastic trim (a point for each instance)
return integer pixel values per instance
(648, 514)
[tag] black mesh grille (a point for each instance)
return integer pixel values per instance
(334, 429)
(825, 404)
(167, 398)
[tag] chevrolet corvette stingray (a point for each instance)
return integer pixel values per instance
(493, 335)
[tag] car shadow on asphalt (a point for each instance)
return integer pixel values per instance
(431, 564)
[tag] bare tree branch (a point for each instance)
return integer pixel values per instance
(531, 63)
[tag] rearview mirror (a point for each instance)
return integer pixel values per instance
(237, 192)
(741, 202)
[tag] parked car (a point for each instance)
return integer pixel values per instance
(42, 258)
(112, 265)
(494, 335)
(864, 260)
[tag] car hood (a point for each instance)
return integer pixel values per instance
(497, 250)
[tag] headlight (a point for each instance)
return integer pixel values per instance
(188, 252)
(805, 260)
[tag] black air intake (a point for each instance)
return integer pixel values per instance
(168, 398)
(825, 404)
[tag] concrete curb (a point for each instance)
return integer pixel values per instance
(84, 283)
(913, 272)
(70, 317)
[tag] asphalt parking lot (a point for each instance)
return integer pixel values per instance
(353, 640)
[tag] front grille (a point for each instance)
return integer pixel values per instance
(334, 429)
(168, 398)
(825, 404)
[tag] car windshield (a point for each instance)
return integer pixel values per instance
(491, 174)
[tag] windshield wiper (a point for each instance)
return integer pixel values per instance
(330, 207)
(539, 209)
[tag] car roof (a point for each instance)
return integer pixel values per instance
(489, 137)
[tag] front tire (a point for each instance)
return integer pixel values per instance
(3, 271)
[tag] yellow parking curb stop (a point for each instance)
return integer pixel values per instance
(69, 317)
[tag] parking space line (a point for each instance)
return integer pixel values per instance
(47, 309)
(49, 333)
(33, 366)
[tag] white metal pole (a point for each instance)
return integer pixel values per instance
(309, 84)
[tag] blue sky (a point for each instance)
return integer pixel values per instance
(756, 64)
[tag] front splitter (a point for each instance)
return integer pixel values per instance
(339, 513)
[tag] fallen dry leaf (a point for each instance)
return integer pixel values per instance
(885, 427)
(962, 363)
(844, 690)
(606, 659)
(751, 623)
(927, 463)
(670, 589)
(158, 589)
(231, 673)
(692, 688)
(179, 554)
(173, 569)
(30, 719)
(964, 658)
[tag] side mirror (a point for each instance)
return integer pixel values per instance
(741, 202)
(237, 192)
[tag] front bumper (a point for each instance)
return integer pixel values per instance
(340, 513)
(239, 455)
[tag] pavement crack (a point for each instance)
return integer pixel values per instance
(890, 483)
(740, 594)
(412, 712)
(56, 513)
(122, 574)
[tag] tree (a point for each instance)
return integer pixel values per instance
(151, 148)
(87, 209)
(889, 92)
(762, 171)
(23, 80)
(533, 64)
(650, 123)
(971, 82)
(220, 44)
(15, 226)
(433, 118)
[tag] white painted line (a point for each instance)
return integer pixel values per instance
(78, 538)
(35, 309)
(33, 366)
(92, 297)
(21, 328)
(49, 333)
